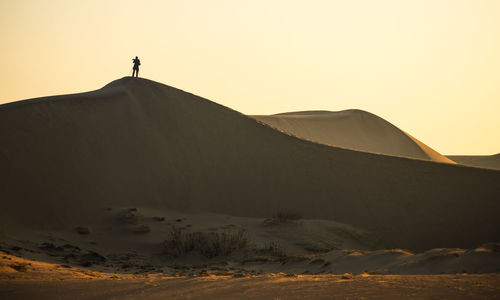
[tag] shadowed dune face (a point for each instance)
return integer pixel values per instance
(137, 142)
(353, 129)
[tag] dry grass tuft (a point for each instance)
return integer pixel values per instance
(274, 249)
(210, 244)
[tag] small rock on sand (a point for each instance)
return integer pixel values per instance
(129, 216)
(82, 229)
(91, 258)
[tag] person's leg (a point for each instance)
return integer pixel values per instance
(133, 72)
(137, 73)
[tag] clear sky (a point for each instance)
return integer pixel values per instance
(431, 67)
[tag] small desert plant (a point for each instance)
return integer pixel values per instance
(274, 249)
(223, 243)
(209, 244)
(286, 216)
(178, 243)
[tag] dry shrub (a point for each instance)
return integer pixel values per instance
(211, 244)
(274, 249)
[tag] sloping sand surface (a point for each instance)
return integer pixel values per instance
(140, 143)
(52, 281)
(482, 161)
(353, 129)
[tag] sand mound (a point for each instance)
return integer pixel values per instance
(140, 143)
(482, 161)
(353, 129)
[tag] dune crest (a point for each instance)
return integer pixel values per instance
(354, 129)
(140, 143)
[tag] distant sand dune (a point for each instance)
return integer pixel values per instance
(353, 129)
(138, 142)
(482, 161)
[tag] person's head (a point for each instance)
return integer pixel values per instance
(136, 57)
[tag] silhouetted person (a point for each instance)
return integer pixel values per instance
(137, 63)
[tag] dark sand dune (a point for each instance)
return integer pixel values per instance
(138, 142)
(482, 161)
(353, 129)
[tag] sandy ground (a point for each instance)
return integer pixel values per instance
(140, 190)
(262, 287)
(139, 240)
(49, 281)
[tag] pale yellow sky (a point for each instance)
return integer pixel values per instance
(431, 67)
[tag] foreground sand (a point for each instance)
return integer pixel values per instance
(131, 240)
(113, 260)
(262, 287)
(50, 281)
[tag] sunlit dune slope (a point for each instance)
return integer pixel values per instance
(482, 161)
(353, 129)
(138, 142)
